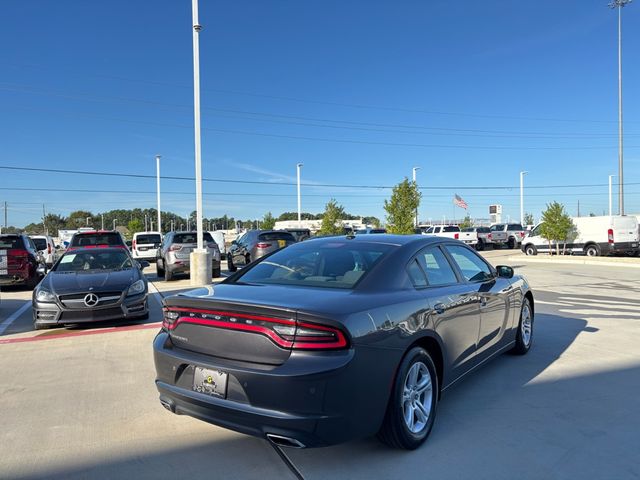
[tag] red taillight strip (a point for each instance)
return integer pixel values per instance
(233, 314)
(303, 342)
(234, 326)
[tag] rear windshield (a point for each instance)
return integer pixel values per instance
(483, 230)
(191, 237)
(451, 229)
(105, 238)
(266, 237)
(11, 241)
(41, 243)
(378, 230)
(336, 264)
(514, 227)
(143, 239)
(469, 229)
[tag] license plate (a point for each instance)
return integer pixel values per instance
(633, 245)
(281, 243)
(210, 382)
(143, 249)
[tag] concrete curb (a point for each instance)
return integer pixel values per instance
(604, 262)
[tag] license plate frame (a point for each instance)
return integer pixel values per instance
(210, 381)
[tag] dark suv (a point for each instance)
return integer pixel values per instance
(254, 244)
(99, 238)
(20, 262)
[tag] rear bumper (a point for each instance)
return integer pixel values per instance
(317, 399)
(622, 247)
(53, 314)
(184, 266)
(18, 278)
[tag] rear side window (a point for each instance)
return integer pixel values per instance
(271, 236)
(144, 239)
(473, 268)
(84, 239)
(437, 267)
(497, 228)
(514, 227)
(40, 243)
(190, 237)
(416, 274)
(10, 241)
(451, 229)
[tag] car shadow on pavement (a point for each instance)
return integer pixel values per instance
(504, 422)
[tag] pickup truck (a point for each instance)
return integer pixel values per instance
(449, 231)
(509, 234)
(478, 237)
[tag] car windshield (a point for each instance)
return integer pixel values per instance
(103, 238)
(191, 237)
(41, 243)
(11, 241)
(94, 259)
(336, 264)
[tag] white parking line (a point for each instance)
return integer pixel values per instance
(4, 325)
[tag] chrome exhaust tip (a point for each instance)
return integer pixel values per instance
(168, 404)
(282, 441)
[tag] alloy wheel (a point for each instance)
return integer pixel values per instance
(526, 324)
(417, 397)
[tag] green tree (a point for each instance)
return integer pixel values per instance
(135, 226)
(375, 221)
(557, 225)
(331, 224)
(466, 222)
(80, 218)
(268, 222)
(401, 208)
(528, 219)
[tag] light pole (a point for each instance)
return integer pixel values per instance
(610, 195)
(298, 167)
(619, 4)
(114, 223)
(158, 190)
(200, 257)
(101, 221)
(522, 174)
(415, 169)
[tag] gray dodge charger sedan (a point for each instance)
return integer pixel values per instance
(91, 284)
(339, 338)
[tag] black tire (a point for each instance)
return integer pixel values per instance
(168, 276)
(159, 271)
(480, 245)
(230, 266)
(496, 246)
(523, 344)
(530, 250)
(511, 243)
(215, 273)
(592, 250)
(395, 431)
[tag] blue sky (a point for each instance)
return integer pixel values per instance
(359, 91)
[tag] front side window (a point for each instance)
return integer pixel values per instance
(437, 267)
(473, 268)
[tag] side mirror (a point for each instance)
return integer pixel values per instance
(504, 271)
(57, 247)
(143, 264)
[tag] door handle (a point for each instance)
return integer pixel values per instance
(439, 308)
(483, 301)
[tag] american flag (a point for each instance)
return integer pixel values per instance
(457, 199)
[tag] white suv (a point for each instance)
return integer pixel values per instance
(144, 245)
(46, 247)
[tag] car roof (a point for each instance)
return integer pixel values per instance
(386, 238)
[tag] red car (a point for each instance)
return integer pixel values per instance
(20, 262)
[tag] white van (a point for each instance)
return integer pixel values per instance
(144, 245)
(594, 236)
